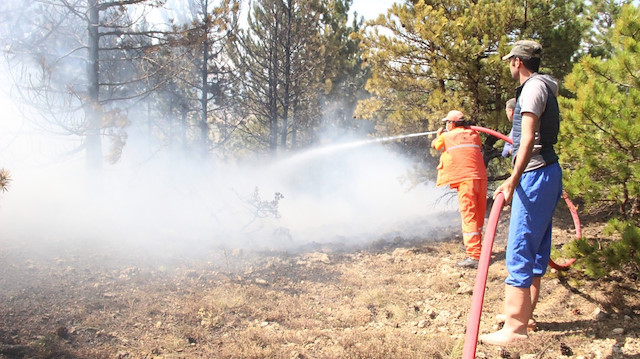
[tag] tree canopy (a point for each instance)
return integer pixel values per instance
(428, 57)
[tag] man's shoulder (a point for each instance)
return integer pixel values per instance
(534, 82)
(541, 82)
(534, 94)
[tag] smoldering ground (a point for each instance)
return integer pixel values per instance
(170, 206)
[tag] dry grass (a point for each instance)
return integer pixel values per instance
(406, 300)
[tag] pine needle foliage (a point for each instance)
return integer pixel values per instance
(428, 57)
(600, 132)
(600, 147)
(598, 259)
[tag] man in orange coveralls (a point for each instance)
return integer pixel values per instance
(462, 168)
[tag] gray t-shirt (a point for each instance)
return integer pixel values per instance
(533, 99)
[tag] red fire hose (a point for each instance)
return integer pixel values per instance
(473, 323)
(492, 133)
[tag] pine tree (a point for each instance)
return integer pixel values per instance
(343, 75)
(428, 57)
(81, 64)
(597, 259)
(200, 75)
(279, 58)
(603, 14)
(600, 132)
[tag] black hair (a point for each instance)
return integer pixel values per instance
(463, 123)
(532, 64)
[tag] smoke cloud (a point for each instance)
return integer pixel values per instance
(352, 197)
(170, 205)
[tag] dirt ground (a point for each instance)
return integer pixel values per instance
(388, 299)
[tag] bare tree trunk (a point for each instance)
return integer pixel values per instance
(287, 79)
(183, 127)
(205, 85)
(273, 88)
(92, 107)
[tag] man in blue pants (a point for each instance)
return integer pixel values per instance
(533, 189)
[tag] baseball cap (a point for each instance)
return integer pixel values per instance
(526, 49)
(454, 116)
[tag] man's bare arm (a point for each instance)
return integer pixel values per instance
(527, 141)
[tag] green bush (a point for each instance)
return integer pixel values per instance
(597, 258)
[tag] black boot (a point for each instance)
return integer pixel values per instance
(468, 263)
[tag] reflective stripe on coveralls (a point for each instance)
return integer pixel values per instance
(472, 204)
(461, 146)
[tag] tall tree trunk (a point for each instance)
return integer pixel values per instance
(183, 127)
(205, 88)
(93, 141)
(294, 128)
(273, 88)
(287, 79)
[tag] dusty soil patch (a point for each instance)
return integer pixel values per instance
(390, 299)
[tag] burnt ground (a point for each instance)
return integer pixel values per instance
(402, 298)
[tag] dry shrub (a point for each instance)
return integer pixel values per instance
(373, 297)
(302, 322)
(216, 308)
(222, 298)
(5, 179)
(294, 312)
(539, 343)
(50, 346)
(352, 277)
(254, 343)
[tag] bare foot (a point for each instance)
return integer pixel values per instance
(532, 326)
(502, 337)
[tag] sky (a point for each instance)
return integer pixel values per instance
(371, 8)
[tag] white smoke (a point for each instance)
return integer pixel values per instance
(177, 205)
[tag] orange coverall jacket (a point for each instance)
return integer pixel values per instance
(462, 168)
(461, 159)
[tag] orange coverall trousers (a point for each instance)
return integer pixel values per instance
(472, 204)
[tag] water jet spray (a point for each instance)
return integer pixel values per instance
(325, 150)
